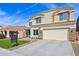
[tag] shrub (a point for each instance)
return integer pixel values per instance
(2, 36)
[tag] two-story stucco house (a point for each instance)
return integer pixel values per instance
(52, 24)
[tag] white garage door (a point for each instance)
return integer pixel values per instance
(58, 34)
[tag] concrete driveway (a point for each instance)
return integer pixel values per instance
(47, 48)
(4, 52)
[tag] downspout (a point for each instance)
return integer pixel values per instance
(68, 16)
(53, 19)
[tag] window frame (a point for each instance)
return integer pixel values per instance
(35, 32)
(63, 16)
(30, 23)
(38, 20)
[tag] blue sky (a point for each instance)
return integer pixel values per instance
(20, 13)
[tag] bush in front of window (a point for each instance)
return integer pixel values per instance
(2, 36)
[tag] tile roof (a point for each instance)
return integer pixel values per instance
(13, 28)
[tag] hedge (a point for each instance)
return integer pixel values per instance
(2, 36)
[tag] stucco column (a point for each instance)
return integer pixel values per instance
(53, 18)
(7, 34)
(3, 32)
(68, 16)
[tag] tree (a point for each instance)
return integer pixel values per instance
(77, 25)
(77, 28)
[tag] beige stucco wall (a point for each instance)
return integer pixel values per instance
(46, 19)
(49, 18)
(31, 35)
(51, 27)
(21, 34)
(63, 26)
(52, 17)
(71, 16)
(7, 34)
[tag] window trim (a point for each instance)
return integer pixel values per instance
(30, 23)
(63, 17)
(38, 20)
(35, 32)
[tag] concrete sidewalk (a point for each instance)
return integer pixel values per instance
(4, 52)
(47, 48)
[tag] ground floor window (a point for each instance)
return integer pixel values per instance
(35, 32)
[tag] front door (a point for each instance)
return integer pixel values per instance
(27, 33)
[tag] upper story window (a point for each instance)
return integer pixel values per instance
(30, 23)
(63, 16)
(38, 20)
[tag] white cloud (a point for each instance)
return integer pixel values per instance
(50, 5)
(2, 13)
(20, 11)
(5, 20)
(76, 9)
(10, 20)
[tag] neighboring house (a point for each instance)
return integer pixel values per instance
(52, 24)
(6, 30)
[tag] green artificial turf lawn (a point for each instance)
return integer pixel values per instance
(6, 43)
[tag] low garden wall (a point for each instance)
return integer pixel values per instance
(73, 35)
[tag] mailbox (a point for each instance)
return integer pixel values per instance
(14, 37)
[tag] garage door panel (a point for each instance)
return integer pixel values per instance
(61, 34)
